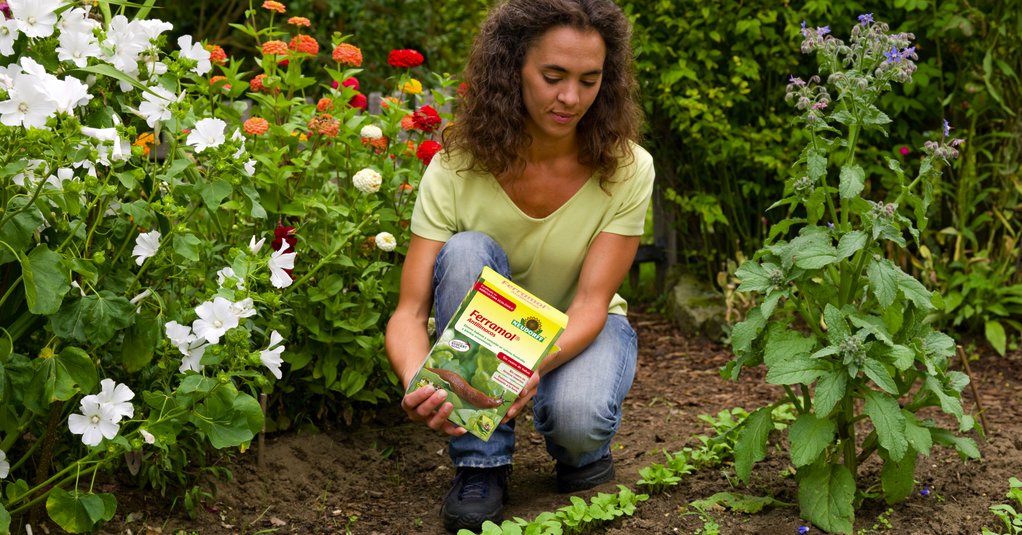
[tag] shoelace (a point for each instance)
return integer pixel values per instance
(476, 485)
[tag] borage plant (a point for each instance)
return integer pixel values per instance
(839, 324)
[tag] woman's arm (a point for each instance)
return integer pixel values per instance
(407, 340)
(604, 268)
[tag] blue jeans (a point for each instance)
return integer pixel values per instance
(577, 407)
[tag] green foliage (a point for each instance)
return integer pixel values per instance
(1011, 517)
(579, 517)
(839, 324)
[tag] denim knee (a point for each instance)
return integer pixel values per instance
(577, 428)
(458, 265)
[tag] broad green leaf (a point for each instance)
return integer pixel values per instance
(830, 390)
(140, 212)
(883, 281)
(995, 334)
(67, 374)
(896, 477)
(812, 253)
(948, 403)
(743, 503)
(914, 290)
(888, 421)
(852, 181)
(187, 245)
(918, 437)
(877, 371)
(213, 193)
(770, 302)
(903, 356)
(837, 326)
(111, 71)
(46, 282)
(965, 446)
(809, 437)
(783, 344)
(938, 344)
(5, 520)
(873, 325)
(17, 232)
(816, 165)
(851, 243)
(227, 418)
(797, 370)
(752, 440)
(140, 341)
(75, 512)
(745, 332)
(94, 318)
(825, 496)
(755, 277)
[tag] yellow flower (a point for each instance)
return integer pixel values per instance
(412, 87)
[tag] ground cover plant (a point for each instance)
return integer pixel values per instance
(180, 231)
(839, 324)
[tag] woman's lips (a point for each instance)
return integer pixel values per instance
(561, 118)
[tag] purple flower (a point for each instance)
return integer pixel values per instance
(802, 530)
(823, 31)
(893, 56)
(947, 128)
(830, 225)
(925, 492)
(866, 18)
(805, 31)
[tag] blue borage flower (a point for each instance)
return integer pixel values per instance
(802, 530)
(865, 18)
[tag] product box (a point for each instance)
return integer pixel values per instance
(490, 349)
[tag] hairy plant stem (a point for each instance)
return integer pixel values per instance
(46, 456)
(794, 399)
(847, 423)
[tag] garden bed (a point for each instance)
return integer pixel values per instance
(388, 476)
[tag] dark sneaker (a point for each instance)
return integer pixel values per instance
(574, 479)
(477, 495)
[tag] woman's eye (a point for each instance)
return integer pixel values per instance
(589, 83)
(550, 80)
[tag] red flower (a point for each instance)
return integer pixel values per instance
(351, 82)
(427, 149)
(359, 101)
(462, 89)
(405, 58)
(281, 234)
(426, 119)
(904, 150)
(325, 104)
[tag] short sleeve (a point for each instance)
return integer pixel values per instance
(433, 216)
(635, 187)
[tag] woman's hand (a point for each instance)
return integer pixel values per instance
(428, 404)
(523, 398)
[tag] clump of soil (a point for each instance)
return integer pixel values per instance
(389, 477)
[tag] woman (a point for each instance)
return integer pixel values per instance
(540, 180)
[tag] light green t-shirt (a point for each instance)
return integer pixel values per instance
(546, 254)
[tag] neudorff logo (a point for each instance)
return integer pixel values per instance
(530, 326)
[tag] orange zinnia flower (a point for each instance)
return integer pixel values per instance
(276, 48)
(145, 140)
(274, 6)
(380, 143)
(305, 44)
(213, 81)
(217, 54)
(325, 104)
(256, 126)
(325, 124)
(349, 55)
(299, 21)
(408, 122)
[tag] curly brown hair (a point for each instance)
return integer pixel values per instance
(490, 121)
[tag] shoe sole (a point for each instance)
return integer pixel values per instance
(576, 485)
(453, 523)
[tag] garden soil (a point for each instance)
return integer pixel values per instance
(388, 476)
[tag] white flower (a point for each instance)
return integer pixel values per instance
(96, 422)
(191, 347)
(367, 180)
(146, 246)
(78, 47)
(244, 308)
(195, 52)
(215, 318)
(254, 245)
(36, 18)
(270, 356)
(386, 242)
(118, 148)
(147, 436)
(29, 104)
(124, 44)
(8, 35)
(180, 335)
(192, 359)
(207, 133)
(371, 132)
(228, 273)
(68, 94)
(76, 21)
(151, 28)
(155, 105)
(250, 167)
(5, 467)
(280, 261)
(117, 397)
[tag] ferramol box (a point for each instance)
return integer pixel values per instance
(490, 349)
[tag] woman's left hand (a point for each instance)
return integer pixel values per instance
(523, 398)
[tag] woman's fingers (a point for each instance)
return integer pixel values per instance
(429, 405)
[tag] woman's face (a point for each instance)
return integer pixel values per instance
(561, 77)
